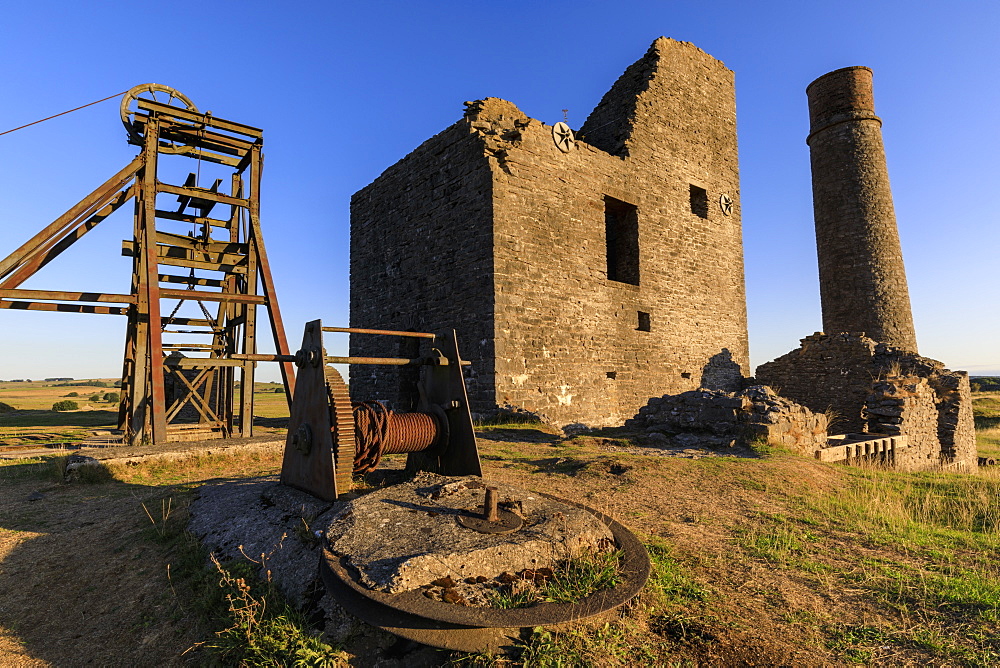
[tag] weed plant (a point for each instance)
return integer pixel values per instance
(249, 621)
(263, 629)
(574, 580)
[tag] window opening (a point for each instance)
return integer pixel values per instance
(621, 227)
(699, 201)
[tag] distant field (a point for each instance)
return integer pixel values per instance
(33, 422)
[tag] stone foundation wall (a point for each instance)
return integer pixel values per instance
(722, 419)
(872, 387)
(906, 405)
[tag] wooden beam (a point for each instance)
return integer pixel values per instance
(187, 280)
(149, 286)
(199, 246)
(194, 220)
(201, 362)
(69, 296)
(201, 295)
(173, 256)
(256, 241)
(52, 248)
(201, 119)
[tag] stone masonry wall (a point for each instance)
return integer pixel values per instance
(851, 376)
(421, 260)
(956, 425)
(489, 228)
(722, 419)
(906, 405)
(570, 342)
(827, 374)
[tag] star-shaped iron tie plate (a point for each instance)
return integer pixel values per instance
(726, 204)
(562, 135)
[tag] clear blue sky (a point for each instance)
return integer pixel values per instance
(343, 90)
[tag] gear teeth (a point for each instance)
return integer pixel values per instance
(342, 430)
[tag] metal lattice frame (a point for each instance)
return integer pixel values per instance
(229, 248)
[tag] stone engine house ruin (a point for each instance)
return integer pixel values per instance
(583, 275)
(593, 276)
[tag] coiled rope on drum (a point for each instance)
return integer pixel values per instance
(381, 431)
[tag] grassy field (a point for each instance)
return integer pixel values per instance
(33, 422)
(986, 407)
(776, 560)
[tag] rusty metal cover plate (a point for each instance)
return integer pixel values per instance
(507, 522)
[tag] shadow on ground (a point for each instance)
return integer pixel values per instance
(36, 418)
(84, 551)
(517, 436)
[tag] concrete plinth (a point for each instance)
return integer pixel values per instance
(407, 536)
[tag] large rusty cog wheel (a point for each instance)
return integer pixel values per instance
(342, 428)
(413, 616)
(157, 93)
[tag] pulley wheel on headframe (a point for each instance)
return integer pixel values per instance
(157, 93)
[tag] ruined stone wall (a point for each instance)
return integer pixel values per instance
(907, 405)
(872, 387)
(570, 340)
(421, 260)
(956, 424)
(491, 228)
(723, 419)
(862, 279)
(827, 374)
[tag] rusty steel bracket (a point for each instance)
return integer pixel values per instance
(442, 389)
(321, 443)
(321, 409)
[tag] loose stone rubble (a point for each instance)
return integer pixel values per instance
(712, 418)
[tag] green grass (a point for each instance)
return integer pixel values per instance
(988, 442)
(669, 584)
(49, 418)
(618, 643)
(986, 411)
(36, 468)
(925, 545)
(261, 629)
(571, 581)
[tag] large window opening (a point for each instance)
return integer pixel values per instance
(621, 226)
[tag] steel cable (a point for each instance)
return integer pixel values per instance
(89, 104)
(380, 431)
